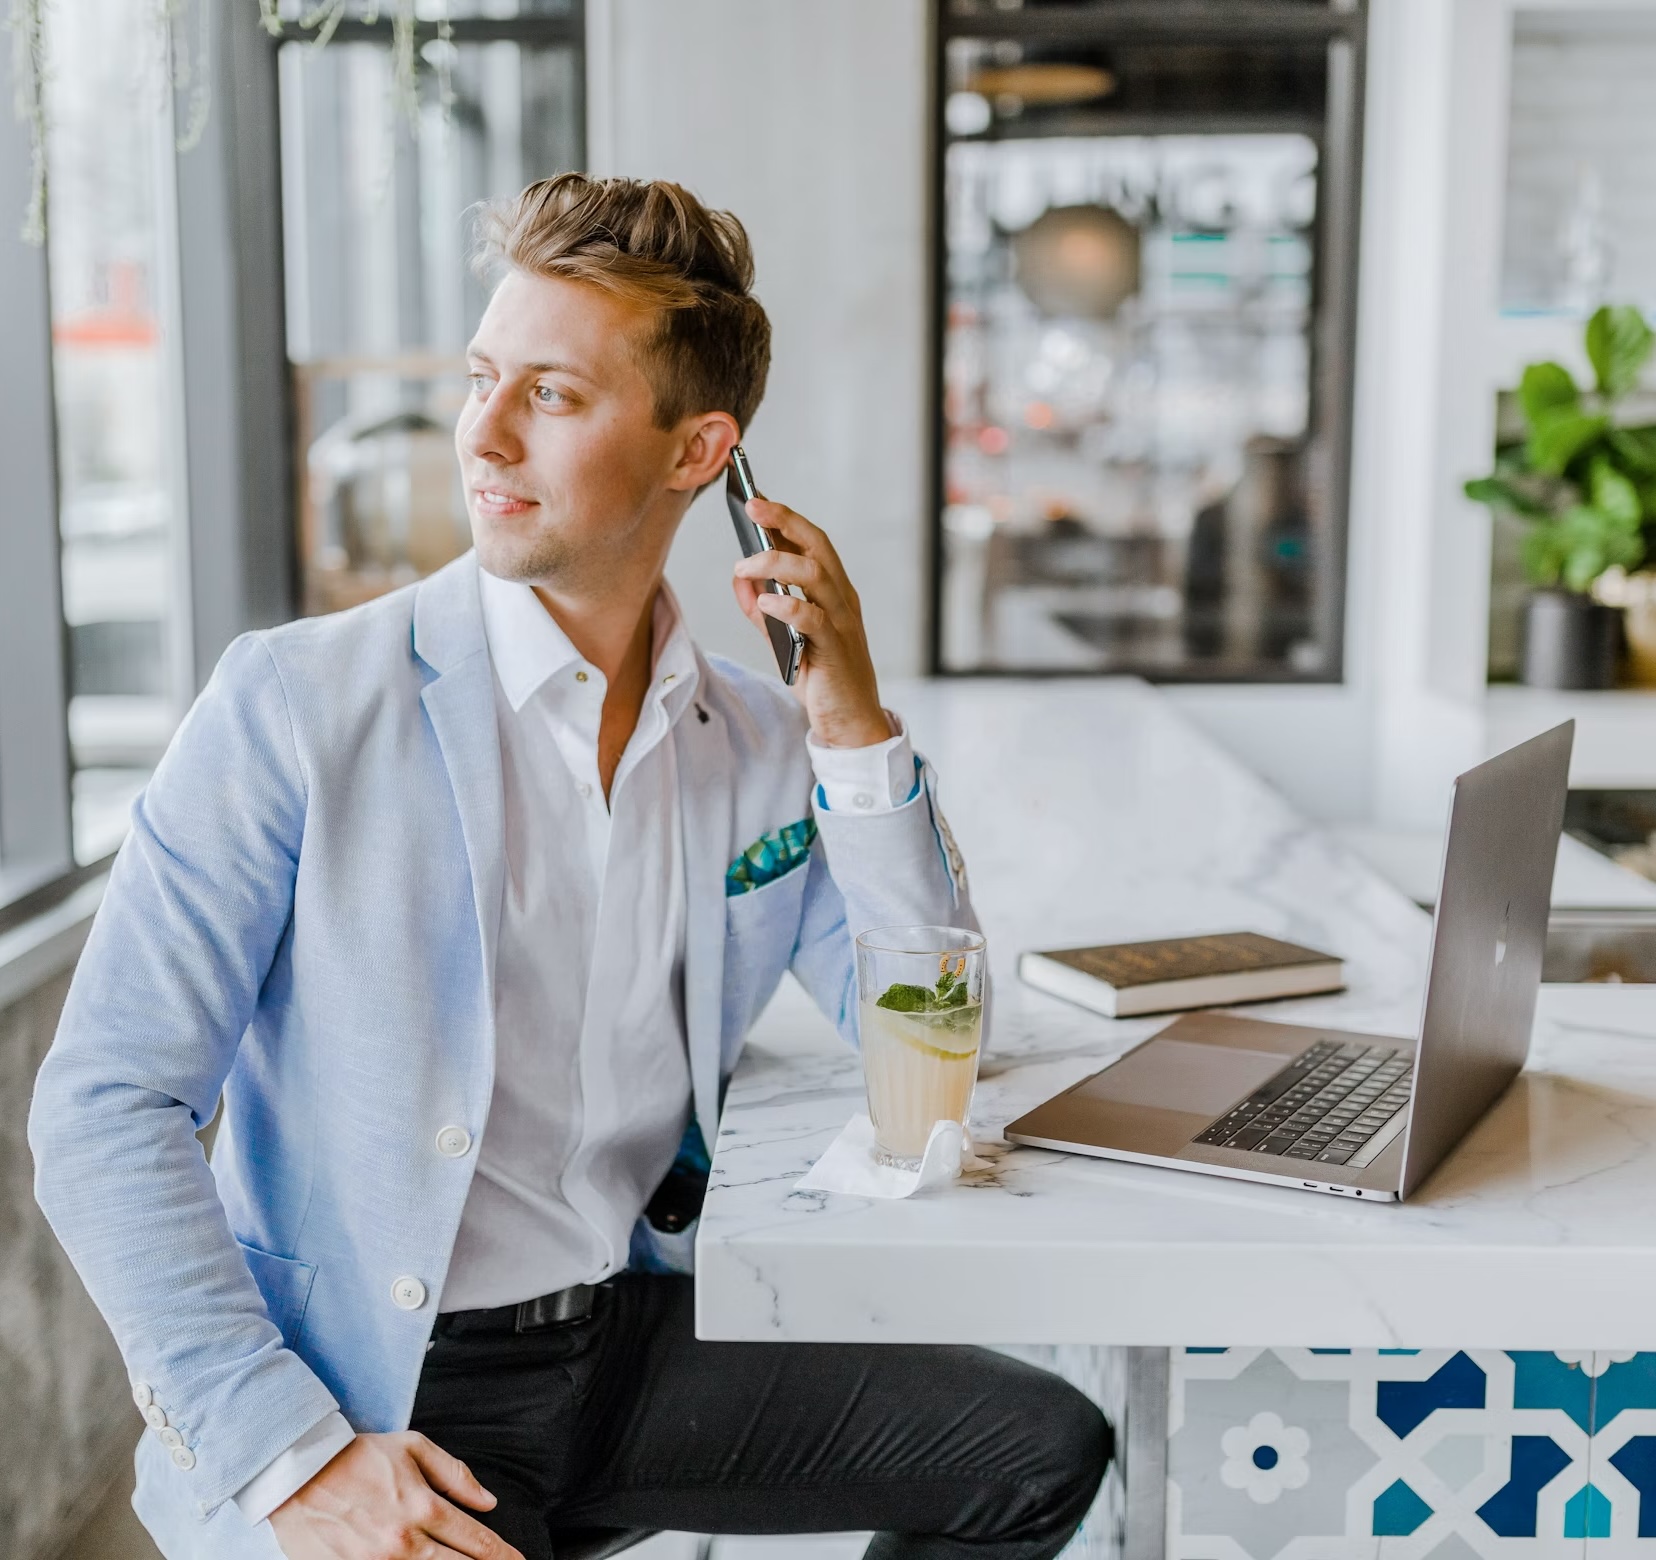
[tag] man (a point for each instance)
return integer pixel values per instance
(476, 856)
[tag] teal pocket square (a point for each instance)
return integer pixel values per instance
(771, 856)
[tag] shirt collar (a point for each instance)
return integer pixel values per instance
(528, 647)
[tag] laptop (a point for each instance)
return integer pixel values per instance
(1330, 1110)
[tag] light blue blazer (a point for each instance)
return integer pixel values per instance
(304, 919)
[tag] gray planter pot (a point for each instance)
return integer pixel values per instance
(1570, 641)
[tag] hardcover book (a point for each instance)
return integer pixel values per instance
(1122, 980)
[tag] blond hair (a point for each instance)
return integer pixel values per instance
(652, 243)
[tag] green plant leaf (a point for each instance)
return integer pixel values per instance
(1613, 495)
(1583, 565)
(1635, 448)
(1542, 554)
(1547, 388)
(1628, 550)
(1558, 437)
(1618, 343)
(905, 999)
(1587, 540)
(1500, 493)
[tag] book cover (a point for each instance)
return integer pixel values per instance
(1125, 965)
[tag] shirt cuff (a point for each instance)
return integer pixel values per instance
(293, 1469)
(874, 779)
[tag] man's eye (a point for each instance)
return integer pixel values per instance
(547, 396)
(481, 384)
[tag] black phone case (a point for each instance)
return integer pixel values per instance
(785, 640)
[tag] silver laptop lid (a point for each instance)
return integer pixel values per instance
(1489, 933)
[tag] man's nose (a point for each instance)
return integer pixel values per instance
(490, 435)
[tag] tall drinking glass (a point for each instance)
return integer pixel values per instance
(921, 995)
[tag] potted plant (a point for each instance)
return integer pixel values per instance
(1585, 487)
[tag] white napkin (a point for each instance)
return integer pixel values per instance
(849, 1164)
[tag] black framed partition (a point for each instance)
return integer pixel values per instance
(1145, 275)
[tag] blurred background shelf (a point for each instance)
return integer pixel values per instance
(1615, 743)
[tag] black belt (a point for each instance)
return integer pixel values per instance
(560, 1309)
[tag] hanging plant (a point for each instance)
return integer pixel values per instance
(190, 79)
(27, 24)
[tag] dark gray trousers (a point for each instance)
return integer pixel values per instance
(627, 1421)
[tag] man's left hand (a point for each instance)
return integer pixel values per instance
(836, 682)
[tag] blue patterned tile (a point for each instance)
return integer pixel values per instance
(1621, 1383)
(1264, 1457)
(1536, 1461)
(1454, 1547)
(1457, 1459)
(1319, 1454)
(1636, 1462)
(1399, 1511)
(1546, 1381)
(1403, 1405)
(1587, 1514)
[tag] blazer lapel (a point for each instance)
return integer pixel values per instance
(459, 701)
(703, 752)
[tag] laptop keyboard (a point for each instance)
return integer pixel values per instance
(1324, 1105)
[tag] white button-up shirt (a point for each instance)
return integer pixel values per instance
(592, 1077)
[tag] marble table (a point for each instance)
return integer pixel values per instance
(1094, 812)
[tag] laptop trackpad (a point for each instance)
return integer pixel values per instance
(1182, 1075)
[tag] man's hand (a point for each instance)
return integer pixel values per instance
(382, 1499)
(836, 682)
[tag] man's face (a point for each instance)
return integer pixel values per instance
(568, 480)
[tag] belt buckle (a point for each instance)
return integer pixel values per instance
(559, 1309)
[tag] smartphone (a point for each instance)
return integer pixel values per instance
(784, 637)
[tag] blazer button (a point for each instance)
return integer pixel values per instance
(155, 1416)
(408, 1294)
(453, 1142)
(141, 1395)
(183, 1458)
(170, 1438)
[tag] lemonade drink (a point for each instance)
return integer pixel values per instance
(920, 1068)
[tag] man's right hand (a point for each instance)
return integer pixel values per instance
(382, 1498)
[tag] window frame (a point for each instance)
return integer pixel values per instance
(36, 838)
(1342, 25)
(234, 426)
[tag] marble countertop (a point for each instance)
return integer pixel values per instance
(1091, 813)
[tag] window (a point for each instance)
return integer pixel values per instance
(94, 596)
(1146, 294)
(381, 301)
(144, 354)
(120, 509)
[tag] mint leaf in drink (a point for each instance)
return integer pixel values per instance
(899, 998)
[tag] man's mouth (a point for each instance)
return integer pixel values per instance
(498, 501)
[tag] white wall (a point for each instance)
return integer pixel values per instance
(808, 119)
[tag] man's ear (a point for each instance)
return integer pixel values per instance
(704, 447)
